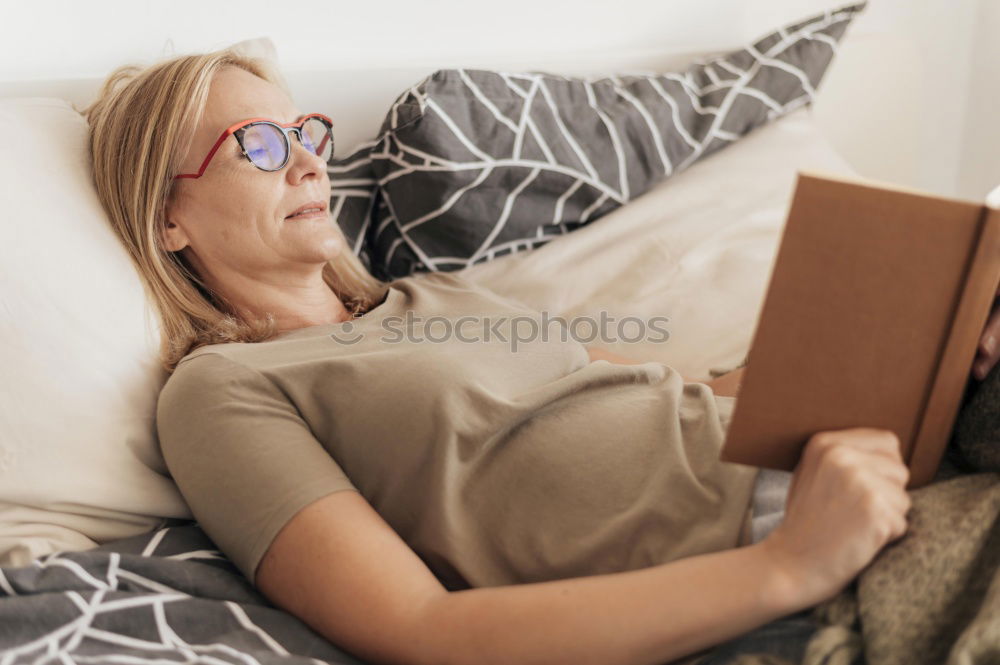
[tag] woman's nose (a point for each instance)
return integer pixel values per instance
(303, 161)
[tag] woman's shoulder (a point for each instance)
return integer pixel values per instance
(458, 284)
(435, 280)
(198, 360)
(225, 354)
(206, 375)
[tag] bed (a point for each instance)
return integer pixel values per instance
(100, 560)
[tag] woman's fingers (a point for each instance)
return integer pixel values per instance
(982, 366)
(988, 351)
(988, 340)
(873, 440)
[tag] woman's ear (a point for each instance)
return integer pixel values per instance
(173, 237)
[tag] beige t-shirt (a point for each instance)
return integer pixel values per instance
(496, 465)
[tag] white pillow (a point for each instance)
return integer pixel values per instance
(697, 248)
(79, 461)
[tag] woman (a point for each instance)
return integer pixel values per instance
(438, 502)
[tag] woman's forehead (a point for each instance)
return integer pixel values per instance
(237, 95)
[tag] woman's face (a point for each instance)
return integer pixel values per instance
(231, 223)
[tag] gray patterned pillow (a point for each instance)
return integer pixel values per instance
(352, 198)
(475, 164)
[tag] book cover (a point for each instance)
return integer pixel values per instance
(872, 315)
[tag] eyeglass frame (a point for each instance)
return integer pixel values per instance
(285, 130)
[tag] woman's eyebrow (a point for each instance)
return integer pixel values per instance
(273, 119)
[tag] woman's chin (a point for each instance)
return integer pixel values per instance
(327, 247)
(316, 231)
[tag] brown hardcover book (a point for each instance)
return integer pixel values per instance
(876, 301)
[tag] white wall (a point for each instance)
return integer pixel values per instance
(88, 38)
(979, 170)
(908, 100)
(909, 115)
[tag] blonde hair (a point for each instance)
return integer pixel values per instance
(141, 127)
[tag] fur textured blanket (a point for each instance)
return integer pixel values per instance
(931, 597)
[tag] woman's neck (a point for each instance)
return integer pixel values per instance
(294, 303)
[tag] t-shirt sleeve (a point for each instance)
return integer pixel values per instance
(241, 454)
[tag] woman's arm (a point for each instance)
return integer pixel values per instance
(727, 384)
(343, 570)
(596, 353)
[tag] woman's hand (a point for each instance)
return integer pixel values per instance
(728, 384)
(847, 500)
(988, 351)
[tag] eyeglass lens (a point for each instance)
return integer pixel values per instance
(266, 147)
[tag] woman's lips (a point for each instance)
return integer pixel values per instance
(305, 215)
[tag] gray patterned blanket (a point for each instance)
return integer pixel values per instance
(167, 596)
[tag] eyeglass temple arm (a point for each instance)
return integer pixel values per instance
(211, 153)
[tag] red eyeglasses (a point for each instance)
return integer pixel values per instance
(267, 145)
